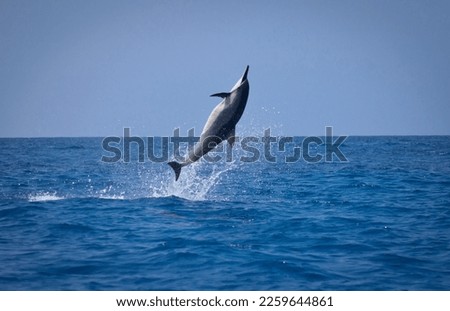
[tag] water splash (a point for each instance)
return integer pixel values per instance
(195, 183)
(131, 181)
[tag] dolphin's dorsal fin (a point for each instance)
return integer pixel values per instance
(231, 138)
(223, 94)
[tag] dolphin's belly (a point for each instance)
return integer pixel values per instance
(204, 146)
(220, 121)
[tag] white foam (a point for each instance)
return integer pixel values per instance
(112, 197)
(44, 196)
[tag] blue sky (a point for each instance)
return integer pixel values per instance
(91, 68)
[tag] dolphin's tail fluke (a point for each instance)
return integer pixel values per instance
(176, 168)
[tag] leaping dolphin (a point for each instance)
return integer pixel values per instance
(221, 123)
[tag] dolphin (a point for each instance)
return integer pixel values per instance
(221, 123)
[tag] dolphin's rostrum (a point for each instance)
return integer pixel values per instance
(221, 123)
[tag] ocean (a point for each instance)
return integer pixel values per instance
(378, 221)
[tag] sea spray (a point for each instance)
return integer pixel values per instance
(196, 182)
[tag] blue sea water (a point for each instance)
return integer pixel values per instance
(380, 221)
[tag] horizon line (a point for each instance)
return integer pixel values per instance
(348, 135)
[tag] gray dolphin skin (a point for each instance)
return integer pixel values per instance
(221, 123)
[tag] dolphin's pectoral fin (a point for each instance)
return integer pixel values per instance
(231, 138)
(223, 94)
(176, 168)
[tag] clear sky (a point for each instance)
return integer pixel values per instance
(91, 68)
